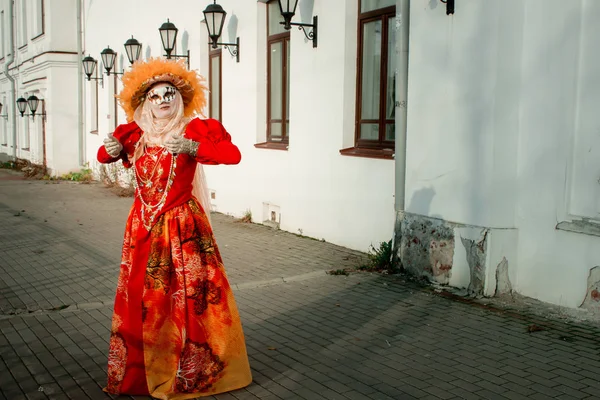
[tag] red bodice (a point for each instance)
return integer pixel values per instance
(164, 181)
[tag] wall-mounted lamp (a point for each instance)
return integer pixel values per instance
(5, 116)
(133, 48)
(168, 35)
(32, 101)
(89, 66)
(288, 9)
(108, 59)
(449, 6)
(21, 105)
(215, 19)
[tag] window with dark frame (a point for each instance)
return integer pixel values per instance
(4, 123)
(22, 35)
(25, 134)
(278, 77)
(214, 77)
(95, 116)
(3, 37)
(376, 82)
(39, 25)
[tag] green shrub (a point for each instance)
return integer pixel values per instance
(380, 259)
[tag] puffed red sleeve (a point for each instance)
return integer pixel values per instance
(127, 135)
(215, 143)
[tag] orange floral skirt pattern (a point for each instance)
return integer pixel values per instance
(176, 332)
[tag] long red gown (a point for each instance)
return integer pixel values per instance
(176, 332)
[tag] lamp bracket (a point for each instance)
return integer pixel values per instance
(187, 56)
(449, 6)
(101, 79)
(43, 115)
(235, 52)
(312, 35)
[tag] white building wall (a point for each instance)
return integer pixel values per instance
(316, 191)
(45, 66)
(502, 132)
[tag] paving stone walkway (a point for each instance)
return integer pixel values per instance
(310, 335)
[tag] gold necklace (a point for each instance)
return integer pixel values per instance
(150, 211)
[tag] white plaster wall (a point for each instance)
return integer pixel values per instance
(47, 67)
(558, 110)
(462, 111)
(501, 98)
(345, 200)
(61, 121)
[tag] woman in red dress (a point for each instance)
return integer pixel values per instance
(176, 332)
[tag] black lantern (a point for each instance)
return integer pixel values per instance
(168, 35)
(33, 102)
(288, 10)
(89, 67)
(133, 48)
(108, 59)
(449, 6)
(215, 19)
(21, 105)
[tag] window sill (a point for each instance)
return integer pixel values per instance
(272, 146)
(94, 132)
(585, 227)
(38, 36)
(383, 154)
(23, 47)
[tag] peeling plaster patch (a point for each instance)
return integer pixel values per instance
(440, 258)
(476, 260)
(585, 227)
(503, 285)
(592, 297)
(426, 246)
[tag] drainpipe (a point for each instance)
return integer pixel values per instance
(10, 58)
(402, 35)
(80, 110)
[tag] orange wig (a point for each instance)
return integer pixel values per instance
(143, 74)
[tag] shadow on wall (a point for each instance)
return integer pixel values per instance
(306, 11)
(185, 39)
(232, 28)
(421, 200)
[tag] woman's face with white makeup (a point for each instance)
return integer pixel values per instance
(161, 98)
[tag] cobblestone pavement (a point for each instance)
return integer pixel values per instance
(310, 335)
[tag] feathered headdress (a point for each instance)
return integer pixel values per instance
(144, 74)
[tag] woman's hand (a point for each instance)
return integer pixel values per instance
(180, 145)
(112, 146)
